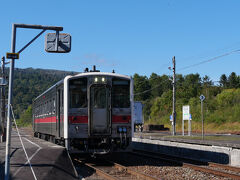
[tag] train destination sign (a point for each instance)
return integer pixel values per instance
(12, 55)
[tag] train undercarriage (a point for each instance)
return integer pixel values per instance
(93, 145)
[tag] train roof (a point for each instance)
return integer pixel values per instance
(85, 74)
(97, 74)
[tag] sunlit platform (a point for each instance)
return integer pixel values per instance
(48, 161)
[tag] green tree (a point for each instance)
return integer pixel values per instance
(26, 116)
(192, 83)
(223, 81)
(141, 87)
(156, 86)
(159, 84)
(233, 80)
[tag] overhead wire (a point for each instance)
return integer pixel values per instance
(208, 60)
(189, 66)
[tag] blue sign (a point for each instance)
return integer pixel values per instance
(202, 97)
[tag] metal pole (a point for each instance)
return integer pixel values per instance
(174, 98)
(9, 122)
(31, 26)
(189, 127)
(132, 103)
(183, 127)
(57, 40)
(11, 74)
(3, 101)
(202, 120)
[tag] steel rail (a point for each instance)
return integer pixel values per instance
(139, 175)
(135, 173)
(212, 171)
(98, 171)
(231, 168)
(195, 167)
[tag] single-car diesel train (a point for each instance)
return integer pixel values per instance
(88, 112)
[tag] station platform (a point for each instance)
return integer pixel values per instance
(48, 161)
(218, 148)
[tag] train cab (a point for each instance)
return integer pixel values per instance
(92, 112)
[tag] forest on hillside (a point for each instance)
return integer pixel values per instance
(221, 106)
(222, 103)
(30, 83)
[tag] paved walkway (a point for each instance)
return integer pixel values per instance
(48, 161)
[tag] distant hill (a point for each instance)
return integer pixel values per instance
(29, 83)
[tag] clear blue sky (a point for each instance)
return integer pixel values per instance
(130, 36)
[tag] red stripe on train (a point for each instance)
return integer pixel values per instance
(46, 120)
(121, 119)
(83, 119)
(78, 119)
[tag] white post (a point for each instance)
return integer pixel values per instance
(190, 126)
(183, 127)
(132, 103)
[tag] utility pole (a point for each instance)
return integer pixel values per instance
(174, 97)
(202, 98)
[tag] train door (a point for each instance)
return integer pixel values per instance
(100, 99)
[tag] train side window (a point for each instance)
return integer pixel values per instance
(50, 107)
(47, 108)
(61, 98)
(120, 93)
(54, 105)
(78, 93)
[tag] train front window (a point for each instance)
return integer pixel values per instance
(100, 98)
(78, 93)
(120, 93)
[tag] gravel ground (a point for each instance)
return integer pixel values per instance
(176, 173)
(162, 170)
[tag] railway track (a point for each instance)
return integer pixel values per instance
(211, 168)
(111, 170)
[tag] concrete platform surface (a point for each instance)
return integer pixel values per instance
(224, 150)
(223, 140)
(48, 161)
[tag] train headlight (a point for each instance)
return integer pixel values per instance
(124, 129)
(95, 79)
(103, 79)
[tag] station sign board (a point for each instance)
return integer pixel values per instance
(186, 112)
(12, 55)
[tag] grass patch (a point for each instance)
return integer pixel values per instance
(227, 127)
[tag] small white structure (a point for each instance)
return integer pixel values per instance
(138, 116)
(186, 116)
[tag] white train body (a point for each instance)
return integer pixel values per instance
(89, 112)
